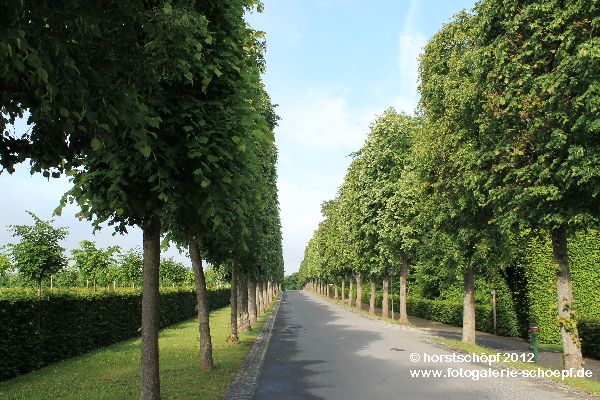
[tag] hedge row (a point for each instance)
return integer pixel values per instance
(540, 269)
(37, 332)
(449, 312)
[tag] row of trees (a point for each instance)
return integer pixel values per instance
(506, 141)
(156, 111)
(38, 258)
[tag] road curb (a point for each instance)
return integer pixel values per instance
(244, 384)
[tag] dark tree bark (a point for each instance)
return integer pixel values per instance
(403, 298)
(150, 309)
(259, 296)
(359, 288)
(242, 305)
(351, 294)
(568, 327)
(206, 358)
(373, 293)
(234, 304)
(385, 299)
(265, 295)
(252, 308)
(468, 335)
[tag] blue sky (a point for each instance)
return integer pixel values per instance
(332, 66)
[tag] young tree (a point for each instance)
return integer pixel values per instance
(92, 262)
(171, 272)
(38, 253)
(130, 268)
(5, 267)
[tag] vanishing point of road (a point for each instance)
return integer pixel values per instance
(320, 350)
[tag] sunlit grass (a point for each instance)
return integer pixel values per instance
(114, 372)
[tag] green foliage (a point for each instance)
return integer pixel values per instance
(38, 253)
(172, 273)
(215, 277)
(538, 146)
(93, 263)
(293, 282)
(540, 270)
(36, 332)
(589, 331)
(131, 265)
(450, 312)
(5, 268)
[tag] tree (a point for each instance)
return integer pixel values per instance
(5, 268)
(92, 262)
(458, 222)
(293, 282)
(538, 147)
(131, 267)
(38, 253)
(215, 277)
(172, 273)
(391, 207)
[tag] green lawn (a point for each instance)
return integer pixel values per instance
(114, 372)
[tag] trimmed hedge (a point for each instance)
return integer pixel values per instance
(63, 324)
(589, 331)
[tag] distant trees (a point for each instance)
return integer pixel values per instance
(94, 264)
(292, 282)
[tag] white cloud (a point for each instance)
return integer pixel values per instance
(411, 46)
(322, 120)
(410, 43)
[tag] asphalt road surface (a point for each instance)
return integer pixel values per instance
(320, 350)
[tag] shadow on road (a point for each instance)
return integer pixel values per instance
(287, 372)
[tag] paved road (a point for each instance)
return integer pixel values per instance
(322, 351)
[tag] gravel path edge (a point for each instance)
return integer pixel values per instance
(244, 384)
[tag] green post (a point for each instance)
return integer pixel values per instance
(534, 342)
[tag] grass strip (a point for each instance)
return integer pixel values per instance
(114, 371)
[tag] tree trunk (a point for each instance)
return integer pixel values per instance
(327, 292)
(468, 335)
(568, 327)
(402, 295)
(252, 310)
(335, 291)
(343, 288)
(261, 300)
(351, 294)
(384, 300)
(373, 294)
(150, 310)
(206, 359)
(243, 317)
(265, 297)
(359, 288)
(94, 284)
(234, 304)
